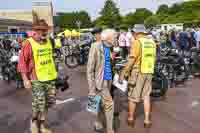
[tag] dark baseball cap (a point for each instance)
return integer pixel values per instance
(96, 30)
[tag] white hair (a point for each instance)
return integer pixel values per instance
(106, 33)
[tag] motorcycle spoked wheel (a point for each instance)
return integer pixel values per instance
(6, 75)
(9, 76)
(71, 61)
(83, 59)
(196, 69)
(6, 78)
(159, 85)
(181, 76)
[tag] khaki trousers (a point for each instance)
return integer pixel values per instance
(105, 116)
(140, 86)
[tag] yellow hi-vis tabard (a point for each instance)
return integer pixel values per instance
(43, 59)
(148, 55)
(58, 43)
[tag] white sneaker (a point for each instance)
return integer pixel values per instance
(45, 130)
(34, 128)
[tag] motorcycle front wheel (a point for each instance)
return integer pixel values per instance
(71, 61)
(159, 85)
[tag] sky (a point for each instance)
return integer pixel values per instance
(93, 7)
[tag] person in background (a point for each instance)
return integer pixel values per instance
(183, 41)
(190, 39)
(173, 39)
(168, 42)
(133, 37)
(192, 35)
(197, 38)
(97, 34)
(129, 40)
(141, 64)
(117, 36)
(15, 44)
(155, 34)
(99, 74)
(163, 40)
(19, 41)
(7, 43)
(123, 43)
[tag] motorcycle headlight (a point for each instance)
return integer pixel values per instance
(14, 59)
(116, 49)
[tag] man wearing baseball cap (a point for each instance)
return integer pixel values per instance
(97, 34)
(141, 64)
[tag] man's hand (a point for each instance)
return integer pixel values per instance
(121, 78)
(27, 84)
(92, 93)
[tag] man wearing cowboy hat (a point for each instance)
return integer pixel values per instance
(36, 65)
(141, 63)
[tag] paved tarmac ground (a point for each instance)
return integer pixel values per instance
(179, 113)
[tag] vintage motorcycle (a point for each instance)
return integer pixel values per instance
(195, 63)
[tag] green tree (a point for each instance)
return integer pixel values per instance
(69, 20)
(84, 18)
(175, 9)
(141, 14)
(66, 20)
(163, 9)
(129, 20)
(152, 21)
(162, 12)
(110, 16)
(186, 12)
(137, 17)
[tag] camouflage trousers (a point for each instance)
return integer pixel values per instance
(43, 95)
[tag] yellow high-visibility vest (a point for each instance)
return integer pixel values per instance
(58, 43)
(43, 59)
(148, 55)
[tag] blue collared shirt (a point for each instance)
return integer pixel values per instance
(107, 65)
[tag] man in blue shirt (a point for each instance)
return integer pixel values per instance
(183, 41)
(99, 74)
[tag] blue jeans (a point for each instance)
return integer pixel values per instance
(173, 43)
(162, 45)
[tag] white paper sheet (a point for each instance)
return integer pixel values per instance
(123, 87)
(64, 101)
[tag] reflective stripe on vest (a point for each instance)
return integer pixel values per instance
(148, 55)
(43, 59)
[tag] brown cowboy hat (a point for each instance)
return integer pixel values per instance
(41, 25)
